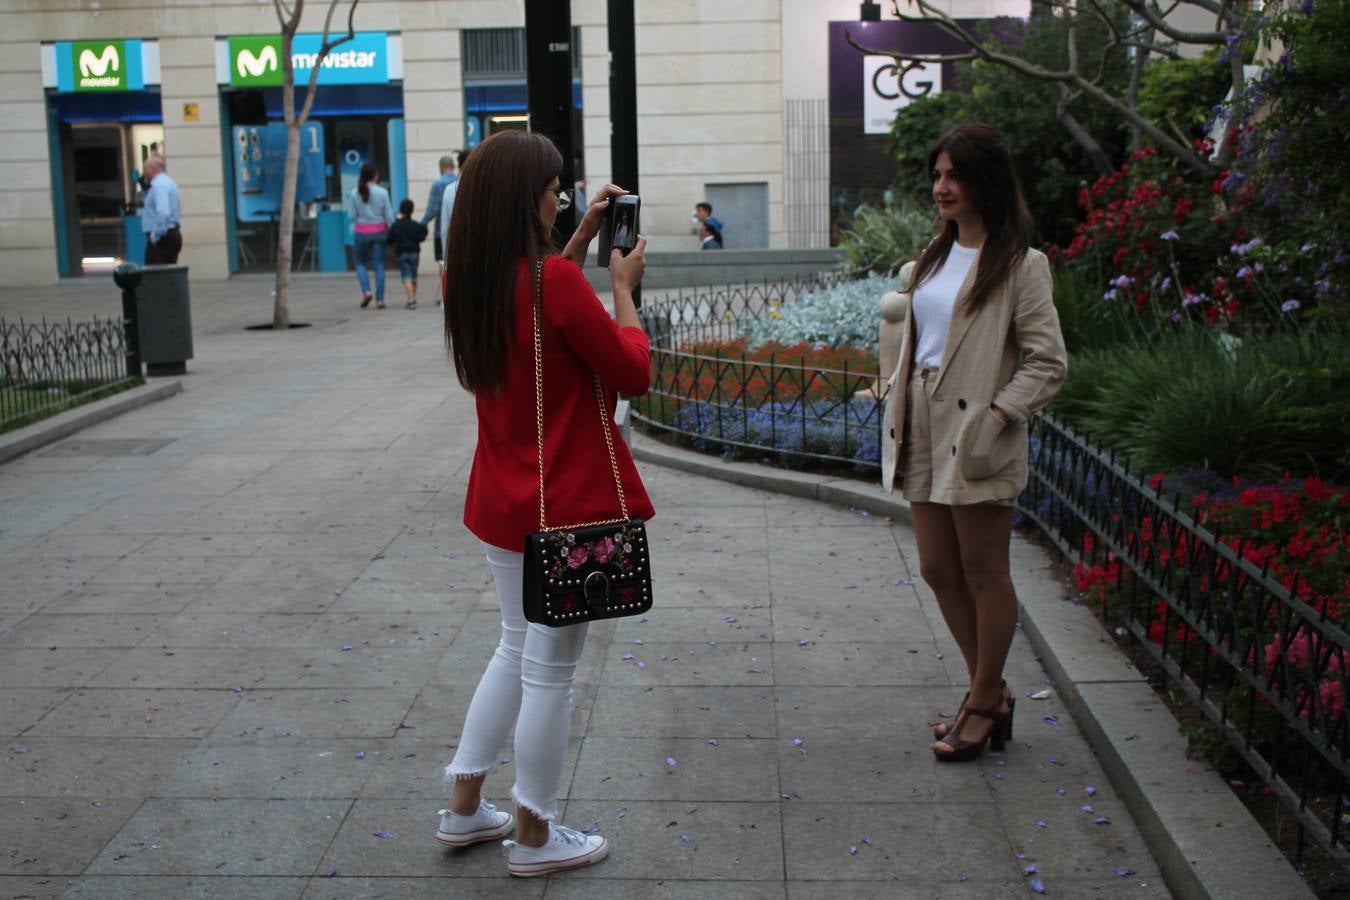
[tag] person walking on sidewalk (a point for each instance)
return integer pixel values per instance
(981, 351)
(508, 199)
(371, 214)
(407, 237)
(431, 216)
(161, 215)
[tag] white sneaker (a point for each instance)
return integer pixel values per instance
(565, 849)
(488, 824)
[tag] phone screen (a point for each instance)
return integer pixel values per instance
(624, 236)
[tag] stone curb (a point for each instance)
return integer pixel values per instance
(1206, 843)
(62, 425)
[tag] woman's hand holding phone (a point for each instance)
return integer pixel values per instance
(594, 216)
(626, 271)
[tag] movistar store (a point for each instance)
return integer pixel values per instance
(103, 120)
(357, 117)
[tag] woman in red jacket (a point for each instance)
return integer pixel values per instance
(508, 199)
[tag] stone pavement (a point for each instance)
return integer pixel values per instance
(234, 664)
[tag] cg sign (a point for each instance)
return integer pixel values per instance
(885, 92)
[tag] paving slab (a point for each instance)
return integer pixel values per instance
(174, 662)
(222, 837)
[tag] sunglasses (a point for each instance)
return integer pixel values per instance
(564, 198)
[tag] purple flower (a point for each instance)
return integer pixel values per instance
(577, 557)
(1111, 294)
(1170, 236)
(1289, 305)
(1166, 284)
(1192, 299)
(1244, 272)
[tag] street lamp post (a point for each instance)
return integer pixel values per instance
(548, 54)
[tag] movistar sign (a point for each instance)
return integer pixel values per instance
(99, 66)
(255, 61)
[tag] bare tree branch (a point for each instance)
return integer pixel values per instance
(931, 15)
(1080, 134)
(1155, 20)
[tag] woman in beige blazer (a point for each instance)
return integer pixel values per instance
(981, 351)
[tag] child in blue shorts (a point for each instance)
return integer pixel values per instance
(407, 234)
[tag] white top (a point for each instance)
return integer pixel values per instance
(447, 209)
(932, 305)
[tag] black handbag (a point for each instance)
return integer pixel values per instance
(592, 570)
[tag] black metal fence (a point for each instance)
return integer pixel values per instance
(735, 400)
(50, 365)
(1264, 667)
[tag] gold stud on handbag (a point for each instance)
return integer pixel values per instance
(593, 570)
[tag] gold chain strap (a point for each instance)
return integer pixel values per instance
(539, 416)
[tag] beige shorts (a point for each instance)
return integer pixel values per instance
(916, 459)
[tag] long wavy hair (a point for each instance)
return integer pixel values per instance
(495, 224)
(369, 172)
(983, 165)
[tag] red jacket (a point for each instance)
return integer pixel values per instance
(579, 337)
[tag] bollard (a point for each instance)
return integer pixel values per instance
(127, 276)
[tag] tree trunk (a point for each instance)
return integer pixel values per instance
(281, 301)
(1132, 93)
(281, 310)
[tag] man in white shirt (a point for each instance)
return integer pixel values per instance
(161, 215)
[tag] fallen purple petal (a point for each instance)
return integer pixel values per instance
(803, 643)
(1061, 791)
(686, 838)
(852, 850)
(384, 835)
(712, 741)
(1036, 885)
(360, 754)
(938, 655)
(867, 841)
(1041, 823)
(672, 762)
(796, 742)
(1101, 820)
(1086, 807)
(641, 664)
(622, 813)
(1122, 872)
(1090, 790)
(962, 877)
(629, 656)
(1050, 720)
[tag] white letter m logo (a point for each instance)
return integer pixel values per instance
(98, 66)
(250, 65)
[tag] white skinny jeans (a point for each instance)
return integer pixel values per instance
(527, 684)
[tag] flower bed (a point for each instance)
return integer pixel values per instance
(796, 403)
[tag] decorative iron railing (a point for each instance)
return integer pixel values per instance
(1264, 667)
(49, 365)
(736, 400)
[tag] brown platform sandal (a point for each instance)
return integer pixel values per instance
(942, 729)
(968, 751)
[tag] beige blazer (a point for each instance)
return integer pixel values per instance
(1011, 353)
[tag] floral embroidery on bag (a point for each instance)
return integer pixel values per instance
(614, 551)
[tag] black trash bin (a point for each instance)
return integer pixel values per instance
(164, 319)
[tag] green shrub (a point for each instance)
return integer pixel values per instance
(1192, 399)
(883, 240)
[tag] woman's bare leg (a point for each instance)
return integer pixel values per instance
(984, 532)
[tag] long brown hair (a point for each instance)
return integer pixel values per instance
(369, 173)
(983, 165)
(494, 224)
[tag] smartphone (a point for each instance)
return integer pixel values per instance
(620, 230)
